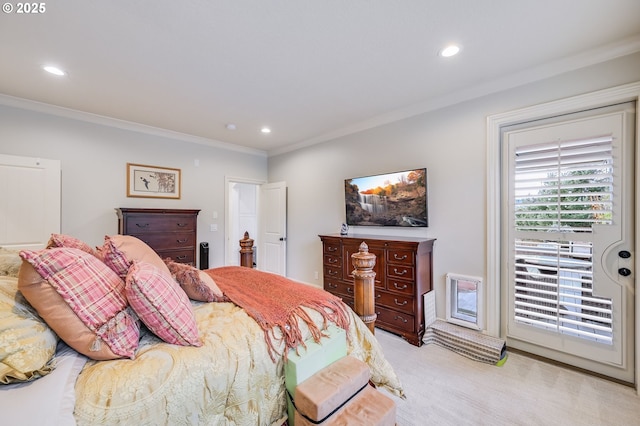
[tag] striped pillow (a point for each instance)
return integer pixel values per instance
(82, 300)
(61, 240)
(161, 304)
(119, 251)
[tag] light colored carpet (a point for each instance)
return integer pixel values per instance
(446, 388)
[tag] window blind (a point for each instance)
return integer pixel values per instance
(561, 188)
(564, 186)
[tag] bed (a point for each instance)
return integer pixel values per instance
(232, 374)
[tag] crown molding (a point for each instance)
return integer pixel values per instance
(87, 117)
(591, 57)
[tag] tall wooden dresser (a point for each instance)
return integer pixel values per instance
(403, 275)
(170, 232)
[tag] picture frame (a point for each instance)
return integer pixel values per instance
(465, 297)
(144, 181)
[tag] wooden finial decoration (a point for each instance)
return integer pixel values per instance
(246, 251)
(363, 275)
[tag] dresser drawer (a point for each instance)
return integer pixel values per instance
(168, 241)
(394, 301)
(401, 286)
(348, 301)
(395, 320)
(332, 248)
(401, 256)
(338, 287)
(333, 260)
(180, 256)
(144, 223)
(401, 271)
(333, 272)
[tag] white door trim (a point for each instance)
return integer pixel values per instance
(227, 216)
(624, 93)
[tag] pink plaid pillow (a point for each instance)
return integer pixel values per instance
(61, 240)
(82, 300)
(119, 251)
(161, 304)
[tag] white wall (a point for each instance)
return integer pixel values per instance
(94, 157)
(450, 143)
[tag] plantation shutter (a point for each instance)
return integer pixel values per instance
(562, 189)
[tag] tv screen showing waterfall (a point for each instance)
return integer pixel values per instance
(390, 199)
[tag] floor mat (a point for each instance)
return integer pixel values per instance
(467, 342)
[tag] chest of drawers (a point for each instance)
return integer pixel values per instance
(403, 275)
(170, 232)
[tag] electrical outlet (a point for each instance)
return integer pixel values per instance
(214, 227)
(315, 275)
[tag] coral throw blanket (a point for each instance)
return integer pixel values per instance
(276, 301)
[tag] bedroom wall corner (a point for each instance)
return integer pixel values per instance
(450, 142)
(93, 162)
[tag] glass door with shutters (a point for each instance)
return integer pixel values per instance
(570, 206)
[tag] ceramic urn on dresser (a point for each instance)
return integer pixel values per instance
(170, 232)
(403, 275)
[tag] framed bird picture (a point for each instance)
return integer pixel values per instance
(152, 181)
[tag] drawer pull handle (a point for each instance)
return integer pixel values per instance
(332, 249)
(396, 257)
(398, 287)
(181, 241)
(181, 257)
(399, 318)
(142, 225)
(331, 285)
(333, 260)
(400, 304)
(182, 225)
(333, 272)
(395, 270)
(349, 290)
(378, 296)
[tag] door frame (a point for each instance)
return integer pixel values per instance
(261, 219)
(227, 216)
(495, 272)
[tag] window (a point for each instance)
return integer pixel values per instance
(464, 301)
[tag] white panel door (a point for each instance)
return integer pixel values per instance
(272, 253)
(569, 244)
(30, 201)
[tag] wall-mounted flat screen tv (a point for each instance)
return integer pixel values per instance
(389, 199)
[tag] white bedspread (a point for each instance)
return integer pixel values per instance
(48, 401)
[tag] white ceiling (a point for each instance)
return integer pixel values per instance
(309, 69)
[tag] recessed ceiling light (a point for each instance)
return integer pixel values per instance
(449, 51)
(53, 70)
(231, 126)
(265, 130)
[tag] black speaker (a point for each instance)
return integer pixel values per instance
(204, 255)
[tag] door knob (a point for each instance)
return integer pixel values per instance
(624, 254)
(625, 272)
